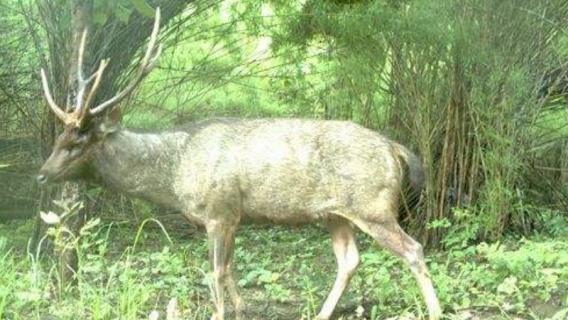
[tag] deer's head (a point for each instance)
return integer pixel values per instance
(83, 127)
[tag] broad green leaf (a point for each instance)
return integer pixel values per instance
(143, 8)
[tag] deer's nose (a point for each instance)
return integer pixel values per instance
(41, 178)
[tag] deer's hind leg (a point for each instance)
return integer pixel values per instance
(390, 236)
(347, 255)
(230, 283)
(221, 243)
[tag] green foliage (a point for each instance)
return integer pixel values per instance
(535, 269)
(501, 280)
(434, 74)
(454, 79)
(143, 7)
(121, 10)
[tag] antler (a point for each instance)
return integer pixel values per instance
(146, 65)
(62, 115)
(82, 106)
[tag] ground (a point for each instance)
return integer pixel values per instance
(128, 271)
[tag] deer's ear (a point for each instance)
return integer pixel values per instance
(114, 115)
(107, 127)
(110, 123)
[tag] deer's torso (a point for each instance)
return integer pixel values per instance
(285, 171)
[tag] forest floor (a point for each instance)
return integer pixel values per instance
(127, 272)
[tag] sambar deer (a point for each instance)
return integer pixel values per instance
(223, 171)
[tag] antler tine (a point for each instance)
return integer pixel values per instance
(146, 65)
(81, 83)
(62, 115)
(152, 41)
(98, 76)
(154, 59)
(80, 55)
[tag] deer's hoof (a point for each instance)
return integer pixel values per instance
(437, 315)
(240, 308)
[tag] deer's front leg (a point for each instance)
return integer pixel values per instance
(221, 236)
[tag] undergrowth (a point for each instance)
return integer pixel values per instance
(128, 273)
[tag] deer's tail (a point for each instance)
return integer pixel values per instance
(415, 183)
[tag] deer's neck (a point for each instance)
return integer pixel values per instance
(141, 164)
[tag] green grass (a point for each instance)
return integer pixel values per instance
(283, 274)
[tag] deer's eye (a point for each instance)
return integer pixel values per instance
(74, 149)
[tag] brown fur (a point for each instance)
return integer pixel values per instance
(222, 171)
